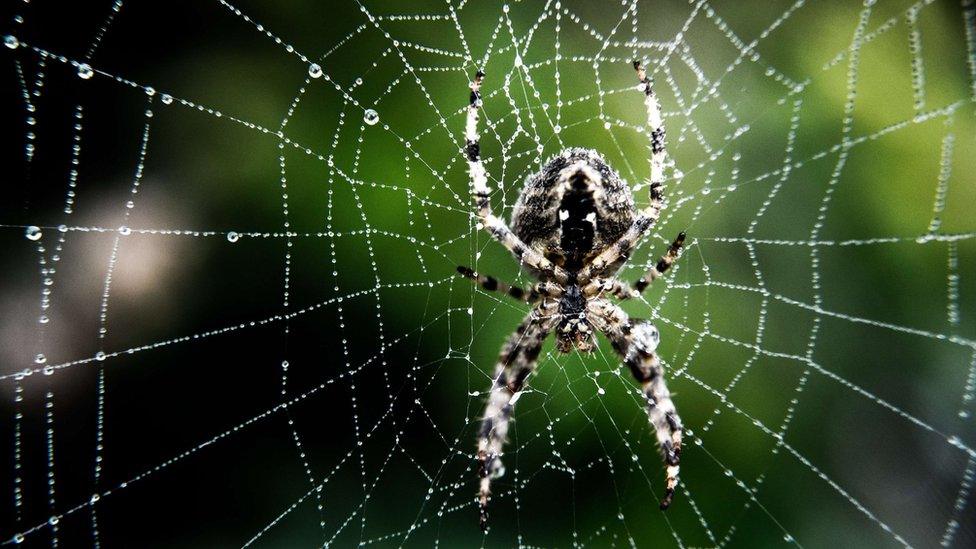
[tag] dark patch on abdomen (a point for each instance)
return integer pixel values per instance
(576, 238)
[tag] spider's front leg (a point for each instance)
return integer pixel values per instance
(544, 268)
(614, 255)
(655, 122)
(517, 360)
(635, 342)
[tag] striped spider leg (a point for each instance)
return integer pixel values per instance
(535, 261)
(622, 291)
(635, 341)
(492, 284)
(515, 363)
(614, 256)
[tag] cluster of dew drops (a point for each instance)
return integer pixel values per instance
(34, 234)
(370, 116)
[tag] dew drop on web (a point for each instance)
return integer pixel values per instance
(371, 117)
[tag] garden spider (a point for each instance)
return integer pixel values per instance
(574, 226)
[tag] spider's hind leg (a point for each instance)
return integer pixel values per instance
(515, 364)
(635, 341)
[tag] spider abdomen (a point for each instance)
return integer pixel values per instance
(573, 209)
(577, 222)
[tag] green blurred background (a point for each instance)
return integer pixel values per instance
(319, 378)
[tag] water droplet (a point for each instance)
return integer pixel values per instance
(95, 498)
(48, 370)
(167, 99)
(314, 70)
(100, 356)
(233, 236)
(11, 41)
(85, 71)
(787, 538)
(52, 521)
(150, 91)
(125, 231)
(557, 128)
(33, 233)
(40, 358)
(18, 538)
(505, 8)
(371, 117)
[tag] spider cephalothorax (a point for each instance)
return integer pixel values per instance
(573, 227)
(574, 330)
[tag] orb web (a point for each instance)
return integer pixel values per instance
(233, 314)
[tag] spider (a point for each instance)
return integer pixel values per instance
(573, 227)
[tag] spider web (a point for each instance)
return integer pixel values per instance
(230, 314)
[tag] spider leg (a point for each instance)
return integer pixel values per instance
(663, 264)
(617, 253)
(479, 187)
(658, 154)
(635, 342)
(515, 363)
(611, 286)
(492, 284)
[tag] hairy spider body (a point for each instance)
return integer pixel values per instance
(574, 207)
(570, 212)
(574, 225)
